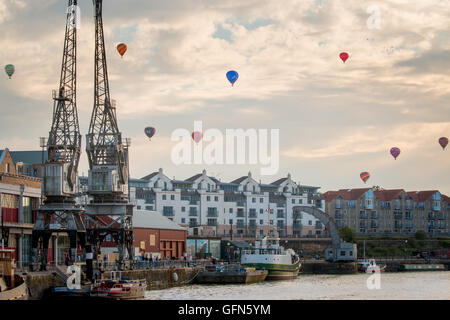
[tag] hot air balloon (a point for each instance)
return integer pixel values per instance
(344, 56)
(443, 142)
(197, 136)
(150, 132)
(122, 48)
(395, 152)
(10, 69)
(364, 176)
(232, 76)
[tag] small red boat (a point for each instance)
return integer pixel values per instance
(119, 289)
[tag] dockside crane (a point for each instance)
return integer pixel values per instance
(109, 212)
(59, 212)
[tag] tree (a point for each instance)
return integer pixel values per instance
(420, 235)
(347, 234)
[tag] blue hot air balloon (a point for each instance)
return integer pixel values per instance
(232, 76)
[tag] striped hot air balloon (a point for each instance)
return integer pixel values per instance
(364, 176)
(443, 142)
(395, 152)
(122, 48)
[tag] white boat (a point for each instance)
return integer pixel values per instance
(369, 266)
(268, 255)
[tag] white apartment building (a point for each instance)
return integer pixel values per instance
(240, 208)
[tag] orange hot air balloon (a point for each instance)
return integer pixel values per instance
(344, 56)
(122, 48)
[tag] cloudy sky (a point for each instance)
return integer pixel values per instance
(336, 120)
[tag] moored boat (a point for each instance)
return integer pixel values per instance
(370, 266)
(119, 289)
(281, 263)
(230, 274)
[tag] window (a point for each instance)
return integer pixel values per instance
(261, 222)
(208, 198)
(216, 198)
(300, 201)
(150, 208)
(183, 209)
(183, 220)
(261, 210)
(231, 221)
(164, 197)
(152, 240)
(261, 200)
(7, 168)
(342, 253)
(138, 207)
(254, 200)
(310, 222)
(293, 200)
(172, 197)
(231, 210)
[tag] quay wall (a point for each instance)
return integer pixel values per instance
(323, 267)
(39, 282)
(160, 278)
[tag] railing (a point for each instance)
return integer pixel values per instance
(252, 215)
(212, 214)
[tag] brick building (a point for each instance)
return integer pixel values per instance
(20, 197)
(371, 211)
(156, 235)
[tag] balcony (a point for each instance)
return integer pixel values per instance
(193, 202)
(281, 215)
(193, 214)
(252, 214)
(339, 205)
(297, 226)
(252, 226)
(240, 204)
(398, 216)
(212, 214)
(212, 223)
(281, 205)
(240, 214)
(339, 216)
(240, 225)
(193, 224)
(363, 216)
(168, 214)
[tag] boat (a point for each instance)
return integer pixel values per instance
(281, 263)
(370, 266)
(119, 289)
(230, 274)
(12, 286)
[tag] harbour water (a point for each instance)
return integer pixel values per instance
(392, 286)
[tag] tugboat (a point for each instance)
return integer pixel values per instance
(369, 266)
(281, 263)
(121, 289)
(230, 274)
(12, 286)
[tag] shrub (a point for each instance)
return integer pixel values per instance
(420, 235)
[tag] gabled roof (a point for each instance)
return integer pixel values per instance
(28, 157)
(193, 178)
(279, 181)
(388, 195)
(153, 220)
(151, 175)
(445, 198)
(347, 194)
(421, 196)
(239, 180)
(2, 154)
(215, 180)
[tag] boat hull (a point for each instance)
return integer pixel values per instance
(278, 271)
(247, 277)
